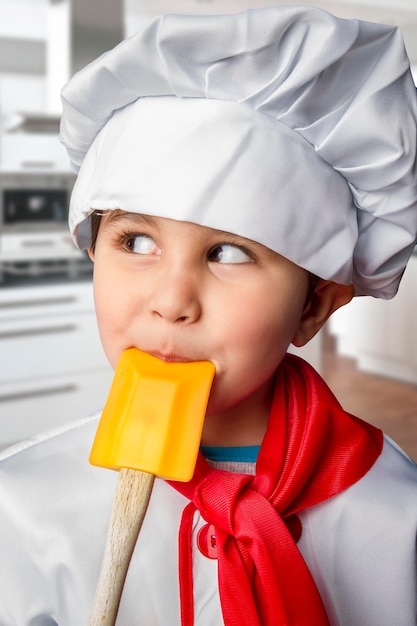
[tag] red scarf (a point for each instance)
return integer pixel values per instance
(312, 450)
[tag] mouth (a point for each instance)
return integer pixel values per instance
(171, 358)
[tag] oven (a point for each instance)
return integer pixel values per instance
(35, 245)
(34, 202)
(33, 207)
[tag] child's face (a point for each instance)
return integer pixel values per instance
(186, 292)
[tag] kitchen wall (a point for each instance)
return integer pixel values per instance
(52, 367)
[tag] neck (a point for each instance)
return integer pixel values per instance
(243, 424)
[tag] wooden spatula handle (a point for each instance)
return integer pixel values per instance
(131, 499)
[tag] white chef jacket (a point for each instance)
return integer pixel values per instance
(54, 511)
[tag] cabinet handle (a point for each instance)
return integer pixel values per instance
(28, 332)
(34, 164)
(37, 302)
(36, 393)
(39, 243)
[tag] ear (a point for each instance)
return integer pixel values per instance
(327, 297)
(90, 253)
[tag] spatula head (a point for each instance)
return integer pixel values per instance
(154, 415)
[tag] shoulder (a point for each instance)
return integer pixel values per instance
(360, 545)
(55, 504)
(390, 481)
(390, 485)
(79, 432)
(54, 466)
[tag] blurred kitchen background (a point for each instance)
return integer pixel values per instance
(52, 367)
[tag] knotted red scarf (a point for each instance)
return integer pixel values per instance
(312, 450)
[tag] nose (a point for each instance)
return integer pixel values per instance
(175, 297)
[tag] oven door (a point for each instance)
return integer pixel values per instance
(34, 206)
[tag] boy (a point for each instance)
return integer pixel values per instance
(241, 177)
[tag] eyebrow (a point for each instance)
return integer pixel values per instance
(115, 216)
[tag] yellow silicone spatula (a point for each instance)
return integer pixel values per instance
(151, 425)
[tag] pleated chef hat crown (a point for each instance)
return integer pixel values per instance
(285, 125)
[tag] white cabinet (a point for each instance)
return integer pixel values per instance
(25, 19)
(22, 92)
(52, 366)
(38, 152)
(382, 335)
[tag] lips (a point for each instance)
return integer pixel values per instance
(171, 358)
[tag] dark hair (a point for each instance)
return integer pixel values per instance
(95, 225)
(313, 281)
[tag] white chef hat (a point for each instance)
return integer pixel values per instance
(285, 125)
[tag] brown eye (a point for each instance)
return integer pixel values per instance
(229, 253)
(142, 244)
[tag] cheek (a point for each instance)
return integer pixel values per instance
(251, 341)
(263, 323)
(111, 307)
